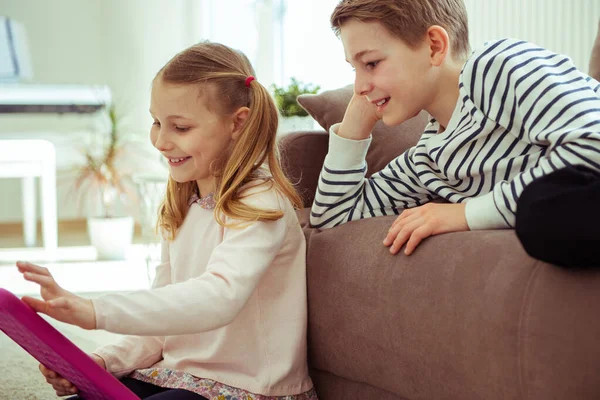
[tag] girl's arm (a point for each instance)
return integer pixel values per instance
(211, 300)
(134, 352)
(120, 358)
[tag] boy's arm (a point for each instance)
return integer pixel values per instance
(343, 192)
(134, 352)
(544, 100)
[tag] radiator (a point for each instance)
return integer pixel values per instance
(564, 26)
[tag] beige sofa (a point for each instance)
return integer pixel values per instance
(468, 316)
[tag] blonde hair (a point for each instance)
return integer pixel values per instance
(408, 20)
(252, 156)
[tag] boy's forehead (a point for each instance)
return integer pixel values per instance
(360, 37)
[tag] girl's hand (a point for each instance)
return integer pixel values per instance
(57, 302)
(359, 119)
(416, 224)
(62, 386)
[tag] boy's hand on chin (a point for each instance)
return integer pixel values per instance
(416, 224)
(359, 119)
(57, 302)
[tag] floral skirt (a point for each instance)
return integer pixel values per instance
(208, 388)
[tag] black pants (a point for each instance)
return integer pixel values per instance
(558, 218)
(149, 391)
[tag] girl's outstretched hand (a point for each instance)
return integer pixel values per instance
(57, 302)
(416, 224)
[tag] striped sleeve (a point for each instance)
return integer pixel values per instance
(542, 99)
(345, 194)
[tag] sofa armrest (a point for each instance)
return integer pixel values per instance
(469, 315)
(302, 156)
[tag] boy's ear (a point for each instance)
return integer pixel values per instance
(439, 44)
(238, 121)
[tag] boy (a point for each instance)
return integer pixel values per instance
(500, 118)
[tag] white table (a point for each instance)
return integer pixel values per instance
(43, 98)
(28, 159)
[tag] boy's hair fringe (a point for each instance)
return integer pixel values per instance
(221, 74)
(408, 20)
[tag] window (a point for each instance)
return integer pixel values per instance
(282, 39)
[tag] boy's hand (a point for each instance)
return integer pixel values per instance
(57, 302)
(62, 386)
(359, 119)
(416, 224)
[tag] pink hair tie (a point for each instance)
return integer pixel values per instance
(249, 79)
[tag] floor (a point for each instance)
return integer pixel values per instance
(76, 268)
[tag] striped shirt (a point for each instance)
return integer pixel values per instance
(522, 112)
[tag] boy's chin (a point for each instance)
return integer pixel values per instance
(395, 120)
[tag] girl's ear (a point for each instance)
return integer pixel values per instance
(239, 120)
(439, 44)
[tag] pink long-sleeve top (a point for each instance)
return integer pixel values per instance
(227, 304)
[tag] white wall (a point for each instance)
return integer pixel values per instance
(123, 43)
(564, 26)
(114, 42)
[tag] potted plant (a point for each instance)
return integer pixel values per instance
(101, 180)
(293, 116)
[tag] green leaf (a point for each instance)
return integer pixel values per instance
(285, 97)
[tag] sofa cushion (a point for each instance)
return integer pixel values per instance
(469, 315)
(595, 59)
(328, 108)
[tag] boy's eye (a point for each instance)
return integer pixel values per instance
(372, 64)
(181, 128)
(155, 123)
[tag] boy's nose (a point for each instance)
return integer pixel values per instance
(362, 86)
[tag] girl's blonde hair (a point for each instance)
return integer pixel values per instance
(253, 156)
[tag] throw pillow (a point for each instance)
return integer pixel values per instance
(328, 108)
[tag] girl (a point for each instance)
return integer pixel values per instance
(226, 317)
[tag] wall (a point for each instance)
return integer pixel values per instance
(123, 44)
(118, 43)
(566, 27)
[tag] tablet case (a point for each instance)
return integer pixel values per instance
(40, 339)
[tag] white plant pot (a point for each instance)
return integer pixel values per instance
(293, 124)
(111, 237)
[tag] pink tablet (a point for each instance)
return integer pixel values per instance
(40, 339)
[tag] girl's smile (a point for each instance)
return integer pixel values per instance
(175, 162)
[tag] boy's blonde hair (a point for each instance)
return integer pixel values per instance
(408, 20)
(221, 74)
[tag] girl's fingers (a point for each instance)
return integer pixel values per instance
(48, 373)
(43, 280)
(25, 266)
(36, 304)
(47, 306)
